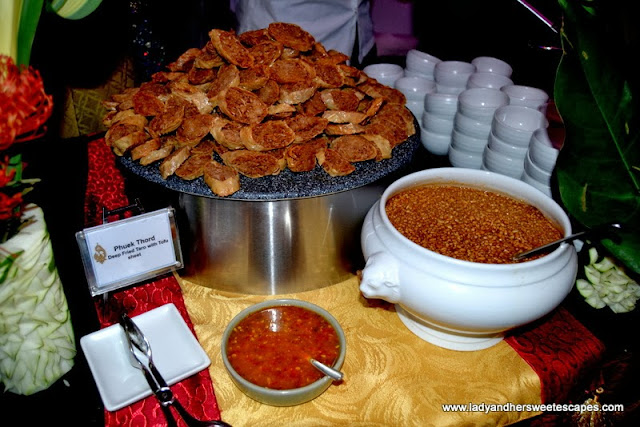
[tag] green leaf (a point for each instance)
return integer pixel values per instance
(598, 169)
(29, 18)
(15, 163)
(73, 9)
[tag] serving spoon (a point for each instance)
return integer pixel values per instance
(140, 349)
(545, 248)
(328, 371)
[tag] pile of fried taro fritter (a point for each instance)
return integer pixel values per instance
(258, 102)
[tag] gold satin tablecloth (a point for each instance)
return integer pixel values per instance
(392, 377)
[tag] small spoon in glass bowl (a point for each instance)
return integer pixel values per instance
(601, 229)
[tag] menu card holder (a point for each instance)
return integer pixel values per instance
(129, 250)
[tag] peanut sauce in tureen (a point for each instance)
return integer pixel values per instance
(468, 223)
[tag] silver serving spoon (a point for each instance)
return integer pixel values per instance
(556, 243)
(142, 358)
(328, 371)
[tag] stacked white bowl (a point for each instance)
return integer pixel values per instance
(511, 130)
(488, 80)
(489, 64)
(452, 76)
(472, 125)
(384, 73)
(540, 161)
(415, 89)
(437, 121)
(475, 114)
(420, 64)
(527, 96)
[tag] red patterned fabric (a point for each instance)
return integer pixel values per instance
(560, 350)
(105, 184)
(106, 188)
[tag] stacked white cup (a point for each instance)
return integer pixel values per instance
(489, 64)
(384, 73)
(540, 161)
(472, 125)
(527, 96)
(511, 130)
(452, 76)
(441, 106)
(437, 121)
(536, 172)
(488, 80)
(414, 90)
(420, 64)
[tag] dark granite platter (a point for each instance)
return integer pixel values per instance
(288, 184)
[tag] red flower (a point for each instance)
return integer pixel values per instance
(24, 109)
(24, 105)
(10, 206)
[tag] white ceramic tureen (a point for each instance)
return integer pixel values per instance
(455, 304)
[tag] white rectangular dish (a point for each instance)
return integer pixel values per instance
(176, 353)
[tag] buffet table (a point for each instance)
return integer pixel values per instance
(392, 377)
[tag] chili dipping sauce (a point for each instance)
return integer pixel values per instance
(469, 223)
(272, 348)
